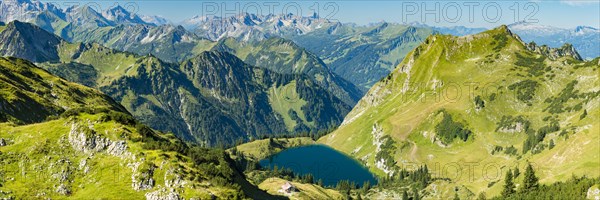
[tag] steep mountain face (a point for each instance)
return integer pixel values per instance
(364, 55)
(120, 15)
(84, 16)
(167, 42)
(584, 39)
(25, 10)
(213, 98)
(475, 101)
(155, 19)
(90, 140)
(359, 54)
(218, 99)
(22, 40)
(284, 56)
(69, 22)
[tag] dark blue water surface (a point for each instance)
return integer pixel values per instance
(322, 162)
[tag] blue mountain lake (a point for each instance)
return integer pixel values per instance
(322, 162)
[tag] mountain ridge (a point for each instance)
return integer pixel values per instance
(514, 99)
(285, 56)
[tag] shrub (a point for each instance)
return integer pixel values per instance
(447, 130)
(479, 103)
(525, 90)
(509, 122)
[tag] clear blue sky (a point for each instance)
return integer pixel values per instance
(559, 13)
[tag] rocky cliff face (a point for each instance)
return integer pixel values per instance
(555, 53)
(583, 38)
(86, 140)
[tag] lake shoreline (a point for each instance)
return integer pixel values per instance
(323, 162)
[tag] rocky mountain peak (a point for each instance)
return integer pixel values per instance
(19, 40)
(119, 14)
(567, 50)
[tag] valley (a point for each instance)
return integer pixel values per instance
(119, 104)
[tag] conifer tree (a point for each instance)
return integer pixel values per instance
(416, 194)
(509, 185)
(530, 181)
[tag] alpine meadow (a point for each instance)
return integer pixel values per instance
(314, 100)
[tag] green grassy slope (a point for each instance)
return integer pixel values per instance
(31, 94)
(454, 104)
(304, 190)
(54, 160)
(92, 147)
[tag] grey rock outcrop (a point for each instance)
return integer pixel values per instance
(142, 177)
(174, 179)
(593, 193)
(567, 50)
(63, 190)
(85, 139)
(163, 194)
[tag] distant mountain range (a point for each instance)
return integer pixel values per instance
(584, 38)
(371, 59)
(247, 26)
(363, 54)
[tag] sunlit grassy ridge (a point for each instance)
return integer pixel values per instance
(448, 73)
(31, 94)
(64, 140)
(40, 158)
